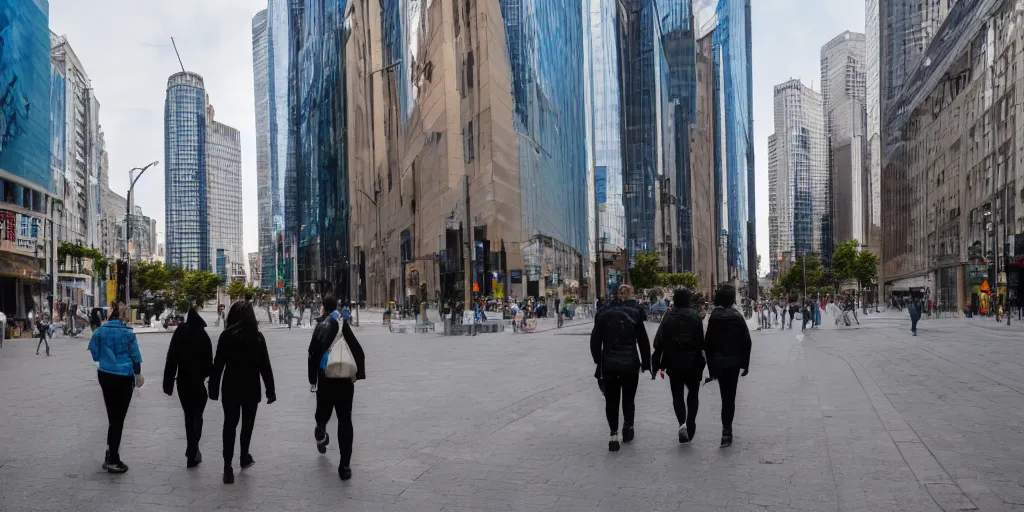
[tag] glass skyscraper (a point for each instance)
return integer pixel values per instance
(224, 196)
(186, 214)
(261, 89)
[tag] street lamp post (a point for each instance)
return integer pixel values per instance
(128, 234)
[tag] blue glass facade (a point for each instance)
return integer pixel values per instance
(280, 110)
(734, 135)
(187, 237)
(319, 32)
(545, 45)
(25, 104)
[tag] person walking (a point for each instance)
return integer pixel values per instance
(618, 332)
(914, 309)
(43, 330)
(242, 358)
(116, 349)
(679, 350)
(334, 394)
(220, 314)
(728, 351)
(190, 359)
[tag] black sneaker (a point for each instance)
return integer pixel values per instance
(691, 430)
(683, 435)
(726, 438)
(322, 439)
(115, 466)
(229, 475)
(628, 434)
(246, 461)
(345, 472)
(194, 460)
(613, 444)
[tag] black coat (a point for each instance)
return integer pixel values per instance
(190, 357)
(323, 336)
(242, 357)
(728, 340)
(618, 332)
(679, 343)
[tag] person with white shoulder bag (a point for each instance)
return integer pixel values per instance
(336, 362)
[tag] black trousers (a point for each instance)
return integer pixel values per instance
(193, 406)
(337, 395)
(620, 385)
(727, 380)
(117, 395)
(232, 410)
(686, 408)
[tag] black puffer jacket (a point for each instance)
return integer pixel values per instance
(679, 344)
(242, 358)
(190, 357)
(728, 340)
(618, 332)
(323, 336)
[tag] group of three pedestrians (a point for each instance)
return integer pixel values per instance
(234, 374)
(621, 350)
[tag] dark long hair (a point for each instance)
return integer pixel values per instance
(241, 318)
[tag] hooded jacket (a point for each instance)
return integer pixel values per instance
(242, 358)
(116, 348)
(728, 340)
(679, 343)
(618, 332)
(190, 357)
(323, 336)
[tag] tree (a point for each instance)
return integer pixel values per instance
(676, 280)
(194, 287)
(645, 270)
(793, 281)
(150, 277)
(237, 290)
(844, 260)
(866, 267)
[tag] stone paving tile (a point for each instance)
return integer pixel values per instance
(853, 419)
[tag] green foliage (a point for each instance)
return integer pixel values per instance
(78, 252)
(645, 270)
(793, 281)
(778, 291)
(237, 290)
(150, 277)
(844, 260)
(866, 267)
(677, 280)
(194, 287)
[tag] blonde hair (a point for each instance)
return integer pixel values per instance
(625, 291)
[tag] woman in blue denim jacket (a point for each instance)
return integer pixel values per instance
(116, 349)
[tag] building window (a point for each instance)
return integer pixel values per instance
(467, 142)
(469, 70)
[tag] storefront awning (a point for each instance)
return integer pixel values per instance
(20, 267)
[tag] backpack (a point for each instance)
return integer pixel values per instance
(338, 362)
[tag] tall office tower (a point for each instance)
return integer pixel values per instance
(31, 157)
(79, 199)
(185, 173)
(261, 89)
(951, 193)
(224, 198)
(604, 133)
(843, 91)
(798, 176)
(283, 71)
(255, 267)
(728, 22)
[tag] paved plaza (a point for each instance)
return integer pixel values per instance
(856, 419)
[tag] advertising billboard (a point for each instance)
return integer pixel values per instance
(25, 90)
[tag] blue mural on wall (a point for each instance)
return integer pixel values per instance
(25, 90)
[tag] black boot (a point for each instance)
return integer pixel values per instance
(322, 438)
(627, 433)
(726, 437)
(246, 461)
(691, 429)
(229, 475)
(194, 460)
(345, 472)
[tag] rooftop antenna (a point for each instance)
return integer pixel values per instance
(175, 45)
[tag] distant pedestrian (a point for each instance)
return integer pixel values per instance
(220, 314)
(728, 350)
(190, 359)
(915, 315)
(116, 349)
(334, 393)
(43, 330)
(617, 335)
(679, 350)
(242, 358)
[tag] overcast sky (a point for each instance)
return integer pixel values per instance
(126, 49)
